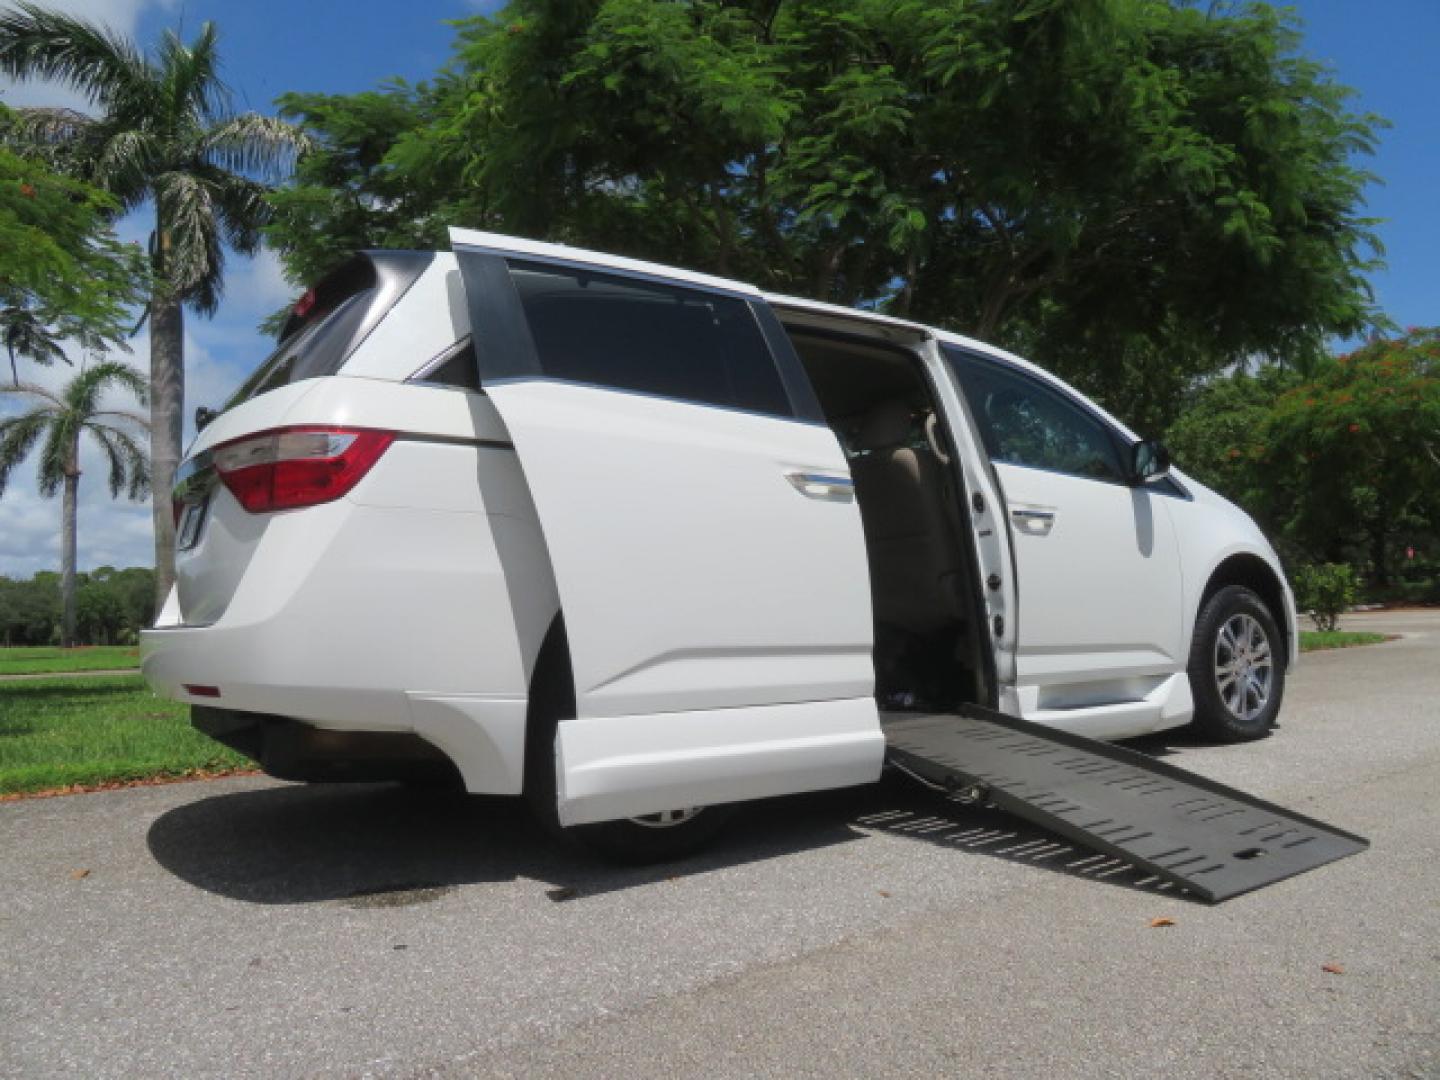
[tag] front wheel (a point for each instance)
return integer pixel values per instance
(1237, 667)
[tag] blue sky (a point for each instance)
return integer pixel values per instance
(1385, 49)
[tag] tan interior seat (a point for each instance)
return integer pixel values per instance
(914, 564)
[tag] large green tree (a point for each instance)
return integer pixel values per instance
(1137, 192)
(55, 422)
(163, 133)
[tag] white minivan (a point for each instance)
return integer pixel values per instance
(641, 543)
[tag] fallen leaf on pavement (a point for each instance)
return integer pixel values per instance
(1162, 920)
(78, 874)
(1332, 969)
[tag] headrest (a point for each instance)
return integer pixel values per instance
(887, 424)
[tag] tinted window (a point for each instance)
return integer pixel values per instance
(320, 348)
(455, 368)
(1025, 422)
(654, 338)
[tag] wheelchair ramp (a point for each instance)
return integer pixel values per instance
(1204, 837)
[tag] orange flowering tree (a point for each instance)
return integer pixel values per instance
(1342, 466)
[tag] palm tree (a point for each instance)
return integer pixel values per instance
(62, 418)
(165, 133)
(25, 334)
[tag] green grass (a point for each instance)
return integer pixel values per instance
(1314, 640)
(33, 661)
(56, 733)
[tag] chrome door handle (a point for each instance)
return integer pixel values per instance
(1033, 520)
(826, 487)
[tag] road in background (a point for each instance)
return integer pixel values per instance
(244, 927)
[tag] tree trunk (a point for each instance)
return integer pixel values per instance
(167, 411)
(68, 513)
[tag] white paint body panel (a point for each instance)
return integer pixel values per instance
(719, 620)
(691, 572)
(1100, 584)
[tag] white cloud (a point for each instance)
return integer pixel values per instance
(255, 287)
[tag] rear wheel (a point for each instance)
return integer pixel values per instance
(650, 838)
(1237, 666)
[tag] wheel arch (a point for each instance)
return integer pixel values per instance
(1260, 577)
(551, 694)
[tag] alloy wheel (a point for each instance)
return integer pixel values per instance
(1244, 666)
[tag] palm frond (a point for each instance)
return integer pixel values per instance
(135, 418)
(82, 395)
(45, 132)
(244, 209)
(52, 399)
(128, 465)
(262, 147)
(124, 163)
(55, 452)
(18, 435)
(37, 43)
(192, 258)
(192, 75)
(24, 333)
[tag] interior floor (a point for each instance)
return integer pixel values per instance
(923, 579)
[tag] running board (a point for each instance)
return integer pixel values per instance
(1204, 837)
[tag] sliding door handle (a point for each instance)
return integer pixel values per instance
(823, 486)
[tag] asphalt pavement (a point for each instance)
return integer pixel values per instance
(248, 928)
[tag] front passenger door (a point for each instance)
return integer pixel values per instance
(1097, 564)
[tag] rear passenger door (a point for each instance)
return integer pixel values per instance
(699, 515)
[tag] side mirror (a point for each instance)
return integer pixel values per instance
(203, 416)
(1149, 460)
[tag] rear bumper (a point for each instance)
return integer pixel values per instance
(342, 702)
(290, 750)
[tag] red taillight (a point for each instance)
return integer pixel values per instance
(287, 468)
(306, 304)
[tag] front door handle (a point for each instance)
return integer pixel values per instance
(1033, 520)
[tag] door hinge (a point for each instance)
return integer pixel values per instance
(993, 581)
(999, 624)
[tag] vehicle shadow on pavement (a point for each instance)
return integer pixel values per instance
(361, 842)
(374, 845)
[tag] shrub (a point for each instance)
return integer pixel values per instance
(1325, 591)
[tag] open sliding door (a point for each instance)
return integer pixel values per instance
(700, 522)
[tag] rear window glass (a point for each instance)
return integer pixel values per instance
(321, 332)
(649, 337)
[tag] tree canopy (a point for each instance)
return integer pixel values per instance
(63, 273)
(1135, 192)
(1339, 466)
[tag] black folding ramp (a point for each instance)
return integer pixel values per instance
(1204, 837)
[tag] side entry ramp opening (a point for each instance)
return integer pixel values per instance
(1206, 838)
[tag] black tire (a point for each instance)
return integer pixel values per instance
(1237, 667)
(637, 841)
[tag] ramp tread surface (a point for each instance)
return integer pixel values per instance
(1204, 837)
